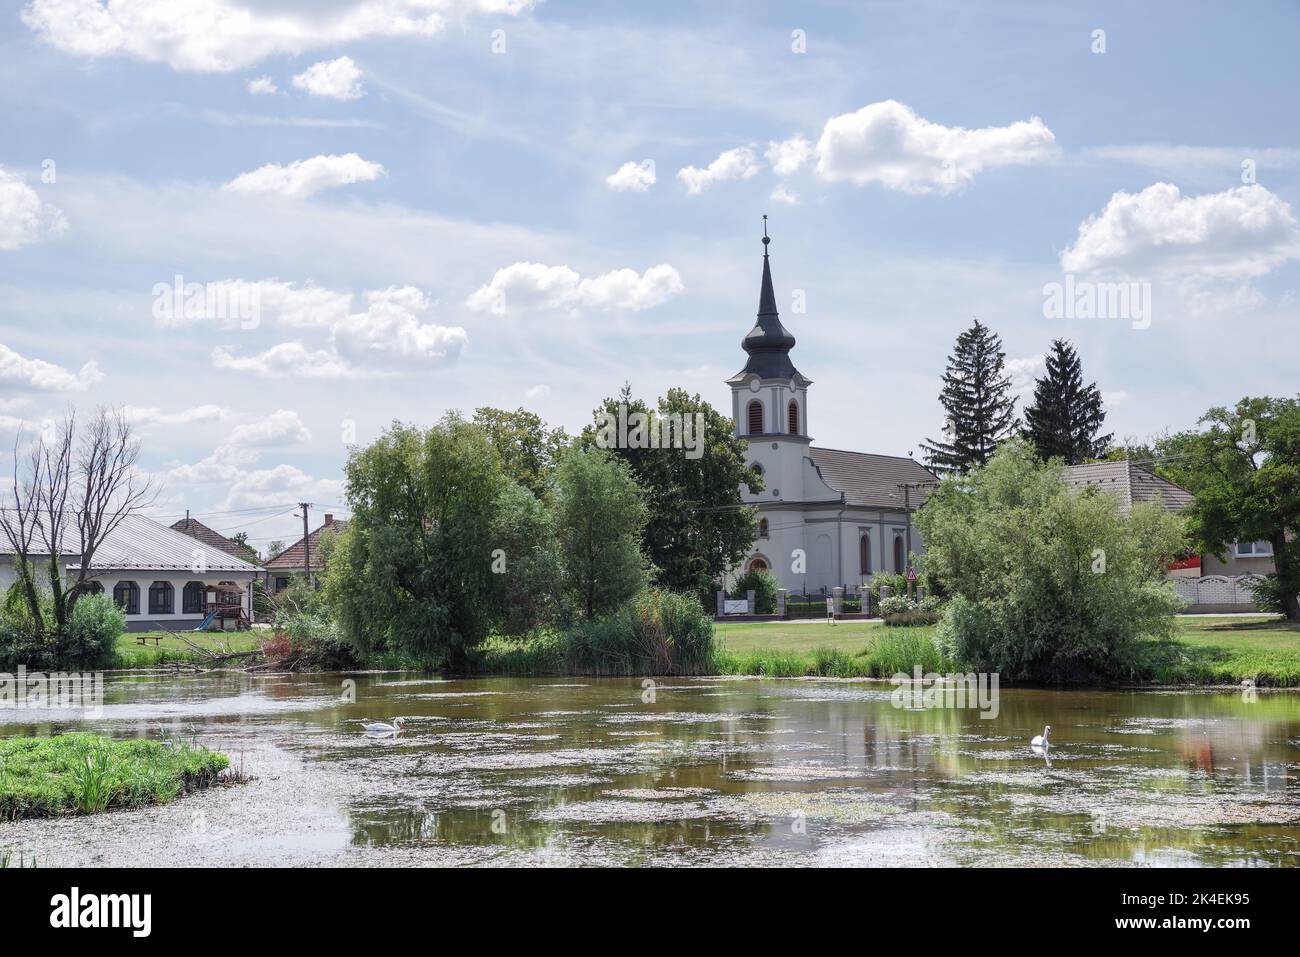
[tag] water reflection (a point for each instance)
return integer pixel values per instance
(743, 771)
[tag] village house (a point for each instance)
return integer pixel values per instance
(292, 563)
(163, 579)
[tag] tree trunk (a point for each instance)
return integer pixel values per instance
(1286, 557)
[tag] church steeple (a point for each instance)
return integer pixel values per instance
(769, 343)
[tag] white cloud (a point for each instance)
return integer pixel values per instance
(528, 285)
(783, 195)
(739, 163)
(24, 219)
(337, 79)
(1023, 372)
(787, 156)
(387, 335)
(888, 143)
(17, 371)
(146, 416)
(1234, 235)
(390, 329)
(281, 427)
(283, 483)
(222, 35)
(539, 391)
(286, 360)
(634, 176)
(262, 86)
(238, 303)
(303, 178)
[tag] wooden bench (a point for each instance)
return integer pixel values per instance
(156, 639)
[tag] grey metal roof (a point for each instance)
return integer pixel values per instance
(140, 542)
(869, 479)
(1129, 483)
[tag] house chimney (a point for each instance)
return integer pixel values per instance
(329, 519)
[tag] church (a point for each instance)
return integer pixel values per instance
(826, 517)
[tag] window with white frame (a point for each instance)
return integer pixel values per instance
(1254, 549)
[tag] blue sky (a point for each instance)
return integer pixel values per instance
(451, 237)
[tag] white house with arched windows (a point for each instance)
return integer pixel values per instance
(827, 517)
(163, 579)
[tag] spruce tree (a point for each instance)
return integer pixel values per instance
(1066, 415)
(976, 396)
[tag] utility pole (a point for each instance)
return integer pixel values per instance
(907, 513)
(306, 543)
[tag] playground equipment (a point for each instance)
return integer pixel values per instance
(224, 602)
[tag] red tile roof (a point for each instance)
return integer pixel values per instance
(196, 529)
(291, 558)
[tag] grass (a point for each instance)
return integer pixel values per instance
(856, 649)
(171, 650)
(1228, 651)
(84, 773)
(1206, 651)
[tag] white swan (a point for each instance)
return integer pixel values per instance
(1040, 740)
(379, 727)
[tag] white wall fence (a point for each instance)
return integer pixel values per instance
(1217, 589)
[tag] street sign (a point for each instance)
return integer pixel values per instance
(911, 573)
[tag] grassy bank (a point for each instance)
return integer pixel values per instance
(1228, 650)
(172, 650)
(1211, 650)
(86, 773)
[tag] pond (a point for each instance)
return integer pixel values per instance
(552, 771)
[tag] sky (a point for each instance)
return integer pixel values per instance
(267, 230)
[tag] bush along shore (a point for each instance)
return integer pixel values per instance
(82, 773)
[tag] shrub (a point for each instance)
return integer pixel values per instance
(1267, 592)
(306, 634)
(1049, 584)
(764, 585)
(657, 633)
(92, 632)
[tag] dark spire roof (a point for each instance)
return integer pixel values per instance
(768, 343)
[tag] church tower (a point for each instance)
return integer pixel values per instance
(769, 399)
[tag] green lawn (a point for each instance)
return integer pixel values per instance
(803, 637)
(1209, 650)
(132, 654)
(1227, 650)
(85, 773)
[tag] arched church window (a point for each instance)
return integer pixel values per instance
(900, 555)
(793, 416)
(762, 528)
(756, 418)
(864, 553)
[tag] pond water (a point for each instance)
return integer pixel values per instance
(702, 771)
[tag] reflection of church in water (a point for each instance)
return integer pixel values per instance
(826, 517)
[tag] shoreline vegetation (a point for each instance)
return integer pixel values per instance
(83, 773)
(1204, 652)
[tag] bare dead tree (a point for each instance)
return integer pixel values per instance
(79, 486)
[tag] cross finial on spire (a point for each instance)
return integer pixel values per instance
(766, 240)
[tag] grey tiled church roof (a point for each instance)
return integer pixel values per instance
(1129, 483)
(869, 479)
